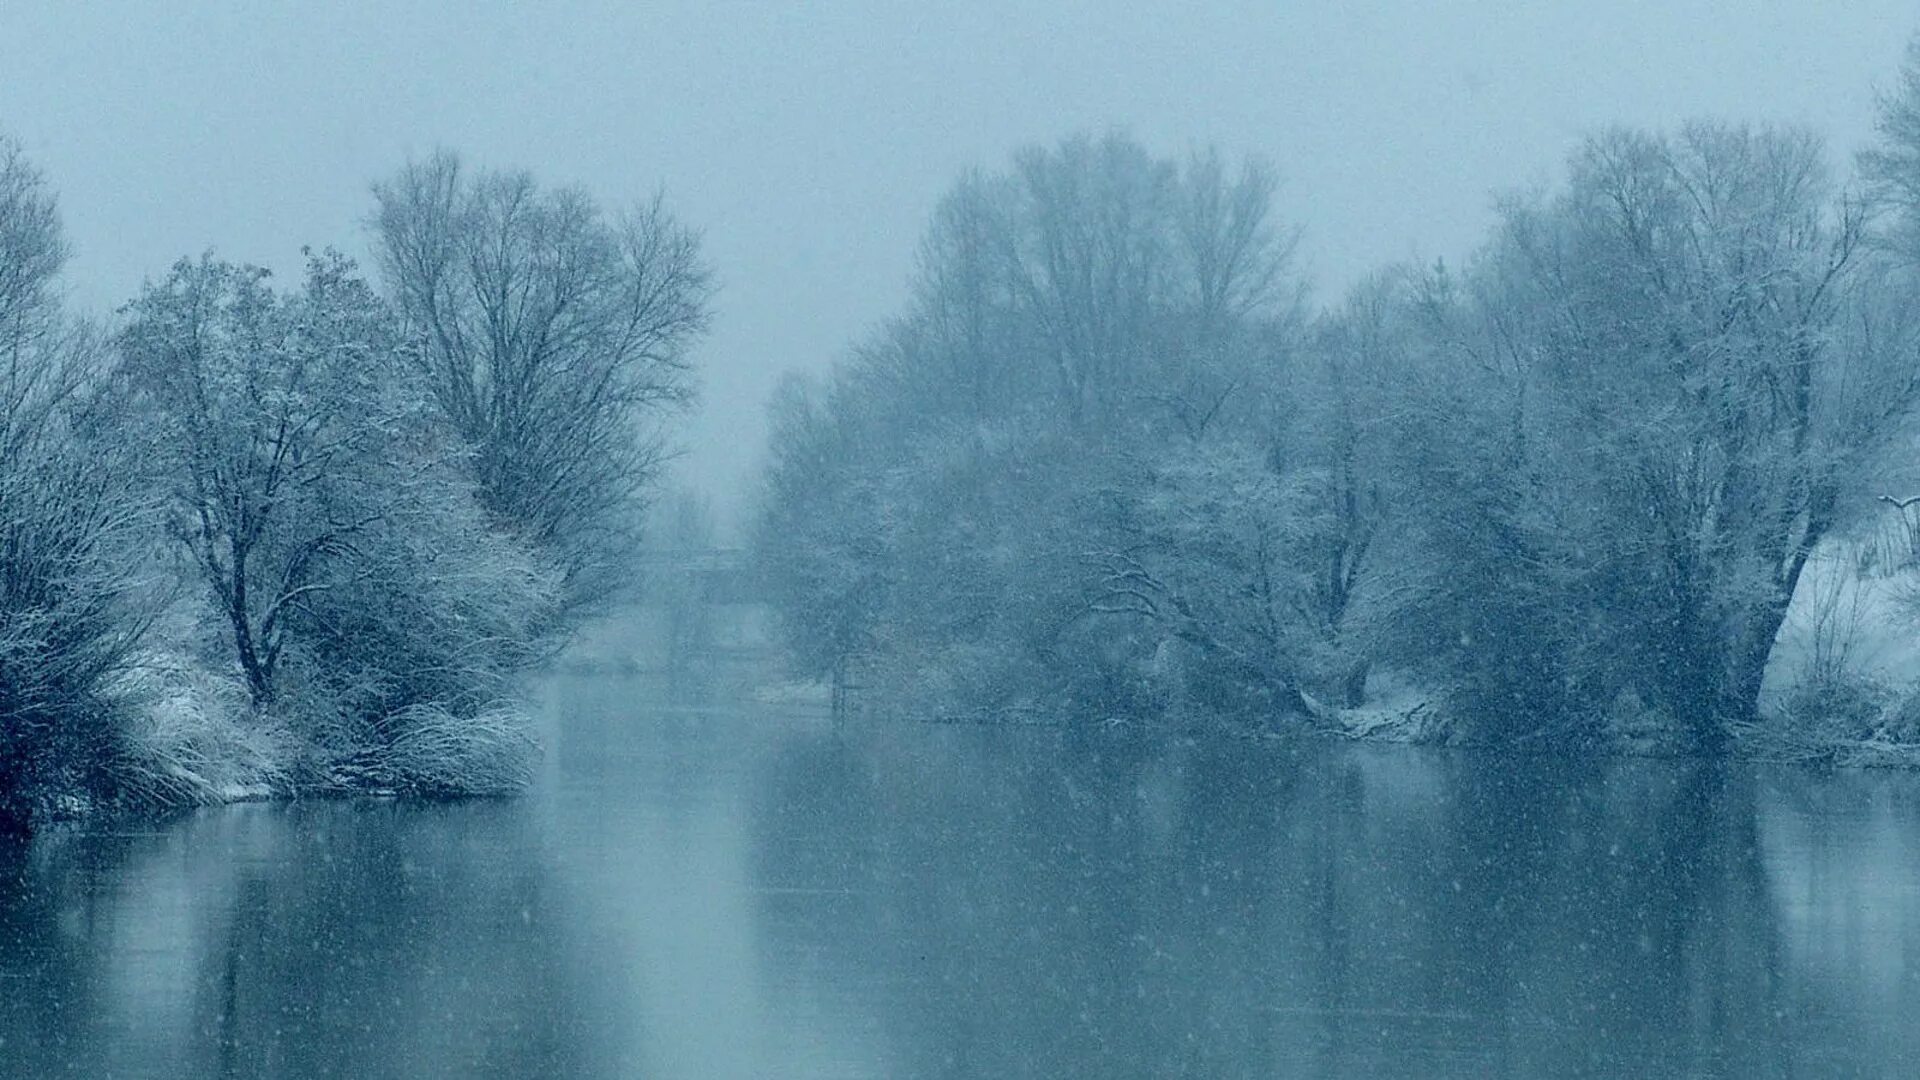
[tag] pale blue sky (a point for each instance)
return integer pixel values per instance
(811, 140)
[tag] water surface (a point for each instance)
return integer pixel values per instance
(704, 888)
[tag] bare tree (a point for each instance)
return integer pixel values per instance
(71, 523)
(32, 250)
(1892, 165)
(1339, 446)
(554, 339)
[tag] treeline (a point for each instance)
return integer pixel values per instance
(1109, 461)
(259, 538)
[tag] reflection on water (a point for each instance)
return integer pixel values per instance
(704, 890)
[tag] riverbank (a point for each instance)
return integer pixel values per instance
(734, 891)
(1412, 720)
(190, 737)
(182, 736)
(1767, 742)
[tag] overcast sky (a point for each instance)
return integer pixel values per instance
(810, 141)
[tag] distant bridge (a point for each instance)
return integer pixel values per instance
(715, 575)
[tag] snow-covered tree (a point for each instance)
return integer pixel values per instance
(265, 412)
(939, 508)
(73, 522)
(1672, 397)
(553, 338)
(330, 514)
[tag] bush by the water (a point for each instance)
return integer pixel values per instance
(427, 749)
(1899, 722)
(187, 737)
(1838, 706)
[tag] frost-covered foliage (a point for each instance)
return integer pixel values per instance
(429, 749)
(186, 737)
(1102, 464)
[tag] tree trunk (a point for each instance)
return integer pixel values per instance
(259, 684)
(1753, 651)
(259, 687)
(1693, 674)
(1749, 669)
(1353, 688)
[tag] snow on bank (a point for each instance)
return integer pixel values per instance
(1850, 616)
(191, 737)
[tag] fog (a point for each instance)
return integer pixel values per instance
(959, 540)
(811, 142)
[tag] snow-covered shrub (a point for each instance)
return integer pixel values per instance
(69, 622)
(1835, 705)
(1901, 721)
(430, 750)
(442, 614)
(189, 737)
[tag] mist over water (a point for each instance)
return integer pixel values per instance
(713, 887)
(994, 540)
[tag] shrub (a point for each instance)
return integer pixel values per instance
(431, 750)
(1901, 721)
(1835, 706)
(187, 738)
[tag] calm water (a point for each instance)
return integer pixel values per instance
(709, 890)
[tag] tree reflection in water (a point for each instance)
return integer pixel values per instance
(695, 889)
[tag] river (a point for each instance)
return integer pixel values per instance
(700, 886)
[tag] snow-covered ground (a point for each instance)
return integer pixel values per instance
(1852, 614)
